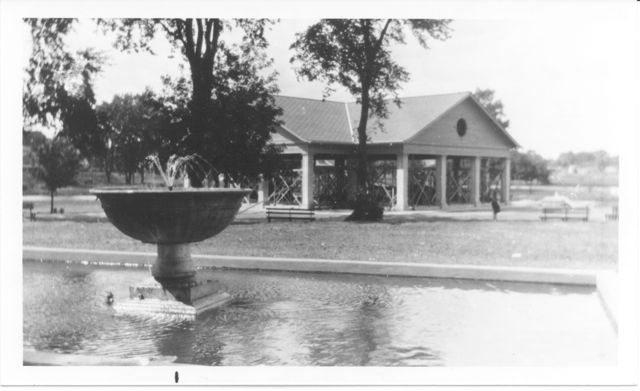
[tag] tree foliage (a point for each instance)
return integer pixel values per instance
(48, 65)
(58, 164)
(486, 97)
(58, 89)
(600, 159)
(229, 112)
(529, 167)
(133, 127)
(356, 54)
(33, 139)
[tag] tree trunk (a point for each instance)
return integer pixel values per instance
(108, 166)
(199, 107)
(362, 144)
(366, 207)
(201, 62)
(51, 210)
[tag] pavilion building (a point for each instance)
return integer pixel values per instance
(431, 151)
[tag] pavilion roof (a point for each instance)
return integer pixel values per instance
(323, 121)
(314, 120)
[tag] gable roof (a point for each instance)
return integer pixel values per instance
(495, 121)
(314, 120)
(317, 121)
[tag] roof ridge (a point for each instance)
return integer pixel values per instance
(312, 99)
(425, 96)
(432, 95)
(388, 99)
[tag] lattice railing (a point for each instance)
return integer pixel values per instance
(422, 185)
(490, 178)
(459, 180)
(286, 189)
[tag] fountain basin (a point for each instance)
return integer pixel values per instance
(179, 216)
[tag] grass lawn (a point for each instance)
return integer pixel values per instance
(591, 245)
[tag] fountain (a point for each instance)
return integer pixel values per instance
(172, 219)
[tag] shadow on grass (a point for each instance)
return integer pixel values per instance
(390, 220)
(394, 220)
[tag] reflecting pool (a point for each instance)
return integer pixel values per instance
(280, 318)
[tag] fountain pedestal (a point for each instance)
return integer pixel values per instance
(174, 289)
(173, 262)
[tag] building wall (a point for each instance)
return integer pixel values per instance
(291, 143)
(481, 132)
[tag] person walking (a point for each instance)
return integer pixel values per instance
(495, 206)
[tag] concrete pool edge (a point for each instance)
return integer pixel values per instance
(32, 357)
(607, 287)
(395, 269)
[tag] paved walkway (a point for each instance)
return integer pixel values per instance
(40, 197)
(517, 211)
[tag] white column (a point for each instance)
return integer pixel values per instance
(308, 165)
(441, 180)
(263, 190)
(506, 181)
(402, 181)
(475, 181)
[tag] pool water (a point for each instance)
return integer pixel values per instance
(281, 318)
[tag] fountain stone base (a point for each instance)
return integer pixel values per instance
(174, 289)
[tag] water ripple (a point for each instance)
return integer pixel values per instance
(319, 319)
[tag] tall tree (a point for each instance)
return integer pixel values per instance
(486, 97)
(58, 164)
(134, 125)
(201, 44)
(58, 90)
(530, 167)
(44, 88)
(356, 54)
(107, 133)
(243, 116)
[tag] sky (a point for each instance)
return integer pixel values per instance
(556, 77)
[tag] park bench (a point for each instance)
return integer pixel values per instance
(565, 213)
(613, 215)
(29, 206)
(289, 214)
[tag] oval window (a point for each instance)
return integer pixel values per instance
(461, 127)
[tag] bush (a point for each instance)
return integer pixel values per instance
(367, 206)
